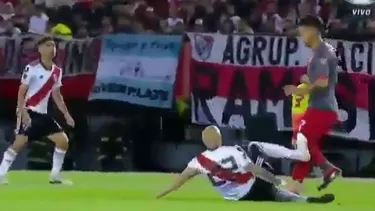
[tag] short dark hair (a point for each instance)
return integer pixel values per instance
(44, 40)
(312, 21)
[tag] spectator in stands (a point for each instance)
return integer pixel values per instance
(107, 25)
(199, 26)
(226, 25)
(80, 19)
(271, 20)
(244, 28)
(7, 28)
(39, 20)
(61, 30)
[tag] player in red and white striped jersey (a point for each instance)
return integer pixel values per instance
(40, 80)
(235, 175)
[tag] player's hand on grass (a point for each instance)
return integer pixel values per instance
(289, 89)
(69, 120)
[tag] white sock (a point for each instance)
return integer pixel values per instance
(57, 163)
(8, 158)
(273, 150)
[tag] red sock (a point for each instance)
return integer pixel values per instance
(300, 171)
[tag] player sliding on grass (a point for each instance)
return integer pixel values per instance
(236, 176)
(40, 80)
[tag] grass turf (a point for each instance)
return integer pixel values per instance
(136, 191)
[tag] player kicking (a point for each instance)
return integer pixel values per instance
(39, 80)
(235, 176)
(321, 113)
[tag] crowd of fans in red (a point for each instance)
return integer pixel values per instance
(87, 18)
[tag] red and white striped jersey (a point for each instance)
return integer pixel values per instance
(41, 82)
(224, 167)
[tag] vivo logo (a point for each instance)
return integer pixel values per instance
(361, 12)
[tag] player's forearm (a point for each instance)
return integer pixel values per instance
(303, 90)
(172, 188)
(59, 101)
(320, 83)
(21, 98)
(263, 174)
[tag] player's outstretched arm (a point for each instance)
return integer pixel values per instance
(181, 179)
(262, 173)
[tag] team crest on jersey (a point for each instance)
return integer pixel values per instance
(203, 45)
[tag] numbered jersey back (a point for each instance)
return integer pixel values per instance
(224, 168)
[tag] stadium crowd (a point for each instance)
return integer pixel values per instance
(83, 18)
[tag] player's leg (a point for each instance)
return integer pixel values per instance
(21, 137)
(287, 196)
(54, 132)
(317, 158)
(300, 171)
(61, 146)
(278, 151)
(10, 155)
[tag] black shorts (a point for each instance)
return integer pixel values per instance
(261, 190)
(41, 125)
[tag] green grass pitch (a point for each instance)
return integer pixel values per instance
(136, 191)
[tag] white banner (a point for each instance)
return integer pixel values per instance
(138, 69)
(260, 51)
(237, 77)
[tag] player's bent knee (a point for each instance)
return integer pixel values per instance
(61, 140)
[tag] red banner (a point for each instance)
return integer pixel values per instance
(266, 82)
(235, 78)
(78, 58)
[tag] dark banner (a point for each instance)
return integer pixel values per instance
(78, 59)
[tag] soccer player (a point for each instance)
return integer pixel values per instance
(321, 113)
(236, 176)
(299, 106)
(40, 80)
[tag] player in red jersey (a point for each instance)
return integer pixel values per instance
(236, 174)
(321, 113)
(40, 80)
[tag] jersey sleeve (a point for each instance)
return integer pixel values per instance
(194, 164)
(26, 76)
(58, 82)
